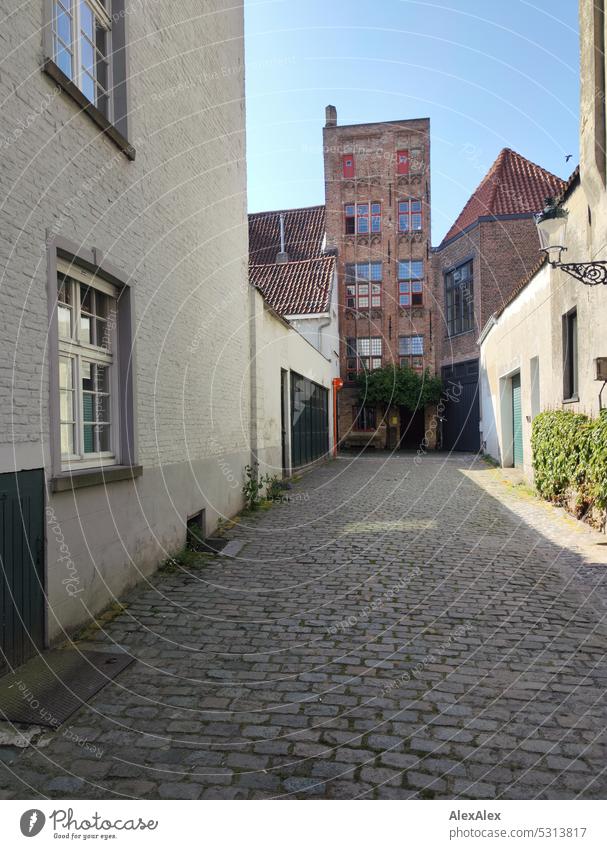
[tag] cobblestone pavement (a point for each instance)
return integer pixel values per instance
(395, 631)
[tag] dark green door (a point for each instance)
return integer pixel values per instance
(517, 421)
(21, 566)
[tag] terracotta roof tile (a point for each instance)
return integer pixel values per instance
(512, 186)
(296, 288)
(304, 234)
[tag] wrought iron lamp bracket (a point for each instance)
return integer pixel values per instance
(590, 273)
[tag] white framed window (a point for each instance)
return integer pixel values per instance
(87, 310)
(81, 36)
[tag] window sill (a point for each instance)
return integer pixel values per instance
(573, 400)
(91, 110)
(456, 335)
(94, 477)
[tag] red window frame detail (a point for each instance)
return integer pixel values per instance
(348, 165)
(402, 161)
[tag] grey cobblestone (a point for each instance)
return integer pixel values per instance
(438, 639)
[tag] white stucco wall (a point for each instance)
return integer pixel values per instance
(174, 223)
(532, 326)
(280, 347)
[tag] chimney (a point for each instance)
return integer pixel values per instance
(282, 256)
(330, 116)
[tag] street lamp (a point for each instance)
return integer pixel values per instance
(552, 230)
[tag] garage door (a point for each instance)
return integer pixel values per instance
(460, 428)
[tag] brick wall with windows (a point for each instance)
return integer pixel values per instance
(377, 193)
(498, 254)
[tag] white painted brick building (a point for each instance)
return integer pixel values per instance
(165, 237)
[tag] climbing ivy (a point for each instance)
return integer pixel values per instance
(570, 457)
(399, 386)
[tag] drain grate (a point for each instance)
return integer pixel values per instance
(50, 688)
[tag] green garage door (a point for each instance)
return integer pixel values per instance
(517, 421)
(21, 567)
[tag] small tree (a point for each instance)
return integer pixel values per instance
(399, 386)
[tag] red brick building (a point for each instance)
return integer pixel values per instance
(377, 213)
(492, 244)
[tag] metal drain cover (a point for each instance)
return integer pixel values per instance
(50, 688)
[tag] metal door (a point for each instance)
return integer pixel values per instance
(517, 421)
(21, 566)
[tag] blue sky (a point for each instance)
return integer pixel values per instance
(489, 75)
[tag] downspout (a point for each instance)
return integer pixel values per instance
(253, 373)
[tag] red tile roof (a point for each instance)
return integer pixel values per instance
(568, 186)
(296, 288)
(513, 186)
(304, 234)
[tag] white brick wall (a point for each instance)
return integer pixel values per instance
(174, 223)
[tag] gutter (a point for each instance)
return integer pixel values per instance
(487, 329)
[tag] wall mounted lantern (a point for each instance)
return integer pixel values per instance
(552, 230)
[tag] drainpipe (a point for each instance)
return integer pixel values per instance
(337, 385)
(253, 374)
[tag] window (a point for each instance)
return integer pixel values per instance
(410, 282)
(459, 299)
(81, 47)
(363, 285)
(570, 359)
(411, 351)
(362, 218)
(348, 165)
(363, 418)
(363, 354)
(409, 215)
(86, 323)
(402, 161)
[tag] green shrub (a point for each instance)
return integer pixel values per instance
(570, 458)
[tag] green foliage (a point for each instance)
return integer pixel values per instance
(255, 484)
(399, 386)
(570, 457)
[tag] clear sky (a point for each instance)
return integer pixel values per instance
(488, 73)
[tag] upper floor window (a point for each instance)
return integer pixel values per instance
(86, 323)
(410, 282)
(411, 351)
(348, 165)
(402, 161)
(82, 32)
(363, 354)
(459, 299)
(570, 357)
(409, 215)
(363, 285)
(362, 218)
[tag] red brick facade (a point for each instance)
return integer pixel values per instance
(384, 163)
(502, 252)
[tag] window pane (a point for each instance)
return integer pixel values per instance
(363, 208)
(87, 53)
(416, 206)
(89, 438)
(64, 60)
(363, 225)
(67, 439)
(349, 209)
(417, 269)
(65, 373)
(64, 319)
(63, 24)
(66, 406)
(88, 87)
(416, 222)
(85, 329)
(86, 299)
(88, 407)
(103, 434)
(376, 224)
(403, 223)
(87, 378)
(403, 206)
(87, 19)
(102, 411)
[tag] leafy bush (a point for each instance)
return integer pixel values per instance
(399, 386)
(570, 458)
